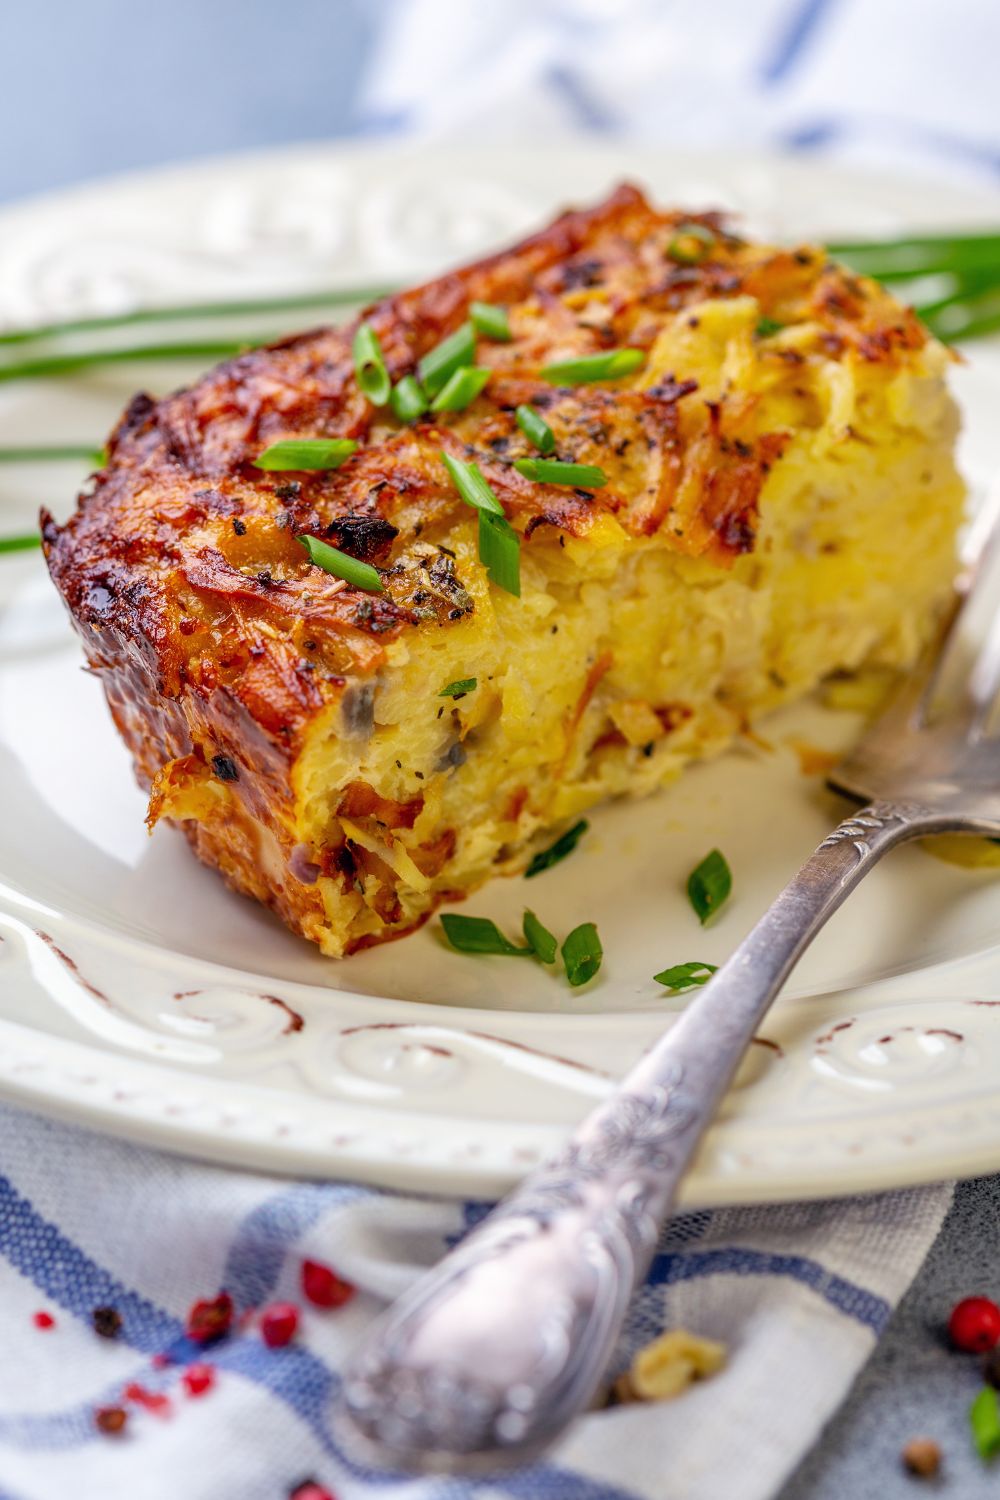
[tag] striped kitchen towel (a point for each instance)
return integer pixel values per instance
(798, 1294)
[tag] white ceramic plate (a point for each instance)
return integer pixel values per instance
(138, 995)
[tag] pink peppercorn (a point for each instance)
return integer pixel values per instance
(198, 1378)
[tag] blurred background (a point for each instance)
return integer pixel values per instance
(106, 86)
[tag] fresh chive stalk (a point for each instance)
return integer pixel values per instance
(564, 845)
(461, 389)
(500, 552)
(535, 428)
(247, 307)
(360, 574)
(407, 400)
(613, 364)
(554, 471)
(59, 453)
(709, 885)
(471, 485)
(369, 366)
(440, 363)
(306, 453)
(491, 321)
(20, 543)
(71, 364)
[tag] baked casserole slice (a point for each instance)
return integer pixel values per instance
(776, 500)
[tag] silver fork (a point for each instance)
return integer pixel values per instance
(482, 1364)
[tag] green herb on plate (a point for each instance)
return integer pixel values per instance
(564, 844)
(685, 976)
(479, 935)
(306, 453)
(440, 363)
(459, 688)
(535, 429)
(491, 321)
(984, 1419)
(709, 885)
(461, 389)
(369, 366)
(407, 399)
(361, 574)
(554, 471)
(613, 364)
(542, 941)
(582, 954)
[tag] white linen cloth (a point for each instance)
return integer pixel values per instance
(799, 1294)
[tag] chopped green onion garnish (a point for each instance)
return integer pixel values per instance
(440, 363)
(20, 543)
(461, 389)
(491, 321)
(611, 365)
(535, 429)
(369, 366)
(500, 552)
(459, 689)
(582, 953)
(554, 471)
(478, 935)
(362, 575)
(564, 844)
(690, 244)
(766, 327)
(984, 1418)
(685, 976)
(541, 939)
(407, 400)
(307, 453)
(709, 885)
(471, 485)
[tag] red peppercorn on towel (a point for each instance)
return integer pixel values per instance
(176, 1330)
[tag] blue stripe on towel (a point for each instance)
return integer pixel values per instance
(847, 1297)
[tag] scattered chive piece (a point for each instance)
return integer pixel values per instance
(767, 327)
(690, 244)
(460, 688)
(306, 453)
(440, 363)
(461, 389)
(709, 885)
(407, 399)
(564, 844)
(685, 976)
(984, 1418)
(20, 543)
(582, 953)
(535, 429)
(478, 935)
(611, 365)
(362, 575)
(542, 941)
(500, 552)
(369, 366)
(471, 485)
(554, 471)
(63, 452)
(491, 321)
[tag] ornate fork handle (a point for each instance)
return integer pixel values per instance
(483, 1363)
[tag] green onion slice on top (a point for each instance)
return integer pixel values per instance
(611, 365)
(685, 976)
(461, 389)
(440, 363)
(407, 400)
(362, 575)
(554, 471)
(369, 366)
(459, 688)
(543, 942)
(691, 244)
(491, 321)
(307, 453)
(535, 428)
